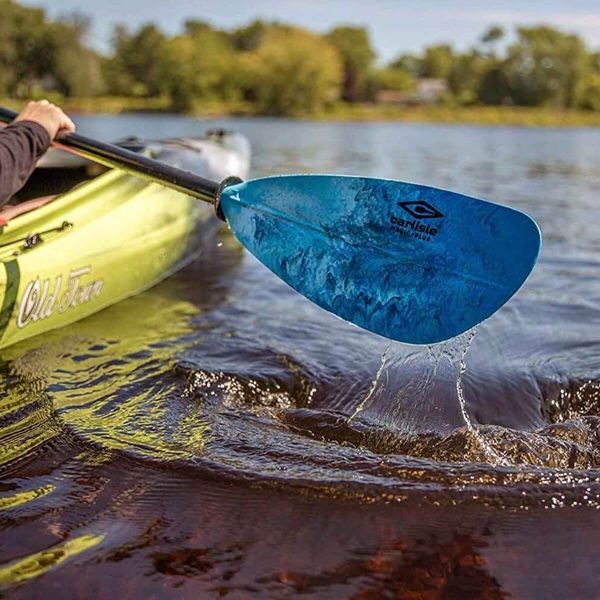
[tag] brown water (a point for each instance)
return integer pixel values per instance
(221, 436)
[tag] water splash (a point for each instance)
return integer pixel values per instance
(361, 406)
(404, 404)
(495, 458)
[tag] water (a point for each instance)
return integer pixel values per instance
(221, 436)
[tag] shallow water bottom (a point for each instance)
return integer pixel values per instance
(171, 536)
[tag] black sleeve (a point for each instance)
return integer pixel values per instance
(21, 144)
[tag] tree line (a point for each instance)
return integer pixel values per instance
(281, 69)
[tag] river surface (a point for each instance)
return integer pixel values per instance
(220, 436)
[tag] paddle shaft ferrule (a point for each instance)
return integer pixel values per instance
(233, 180)
(113, 156)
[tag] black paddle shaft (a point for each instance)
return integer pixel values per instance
(136, 164)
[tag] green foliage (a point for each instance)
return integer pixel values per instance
(408, 62)
(394, 78)
(293, 71)
(437, 62)
(466, 74)
(249, 37)
(279, 69)
(588, 92)
(199, 65)
(23, 32)
(135, 68)
(357, 56)
(8, 51)
(76, 69)
(37, 55)
(544, 67)
(492, 35)
(493, 86)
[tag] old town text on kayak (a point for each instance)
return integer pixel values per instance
(41, 299)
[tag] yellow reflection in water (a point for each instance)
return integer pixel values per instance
(108, 379)
(24, 497)
(37, 564)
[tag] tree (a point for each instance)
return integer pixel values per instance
(437, 62)
(492, 35)
(408, 62)
(545, 67)
(136, 65)
(588, 92)
(357, 56)
(199, 65)
(293, 71)
(466, 74)
(493, 86)
(249, 37)
(38, 55)
(490, 39)
(8, 54)
(23, 60)
(76, 69)
(393, 78)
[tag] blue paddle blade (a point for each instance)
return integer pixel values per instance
(409, 262)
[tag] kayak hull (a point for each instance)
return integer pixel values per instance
(107, 240)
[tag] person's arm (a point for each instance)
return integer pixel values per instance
(21, 144)
(25, 140)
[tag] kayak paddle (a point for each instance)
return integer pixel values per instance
(409, 262)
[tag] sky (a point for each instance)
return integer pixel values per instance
(395, 26)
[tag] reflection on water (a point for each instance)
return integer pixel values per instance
(218, 435)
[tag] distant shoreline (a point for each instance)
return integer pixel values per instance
(475, 115)
(360, 113)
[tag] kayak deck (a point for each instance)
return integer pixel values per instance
(107, 239)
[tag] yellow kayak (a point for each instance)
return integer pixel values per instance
(108, 238)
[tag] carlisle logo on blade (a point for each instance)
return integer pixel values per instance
(419, 210)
